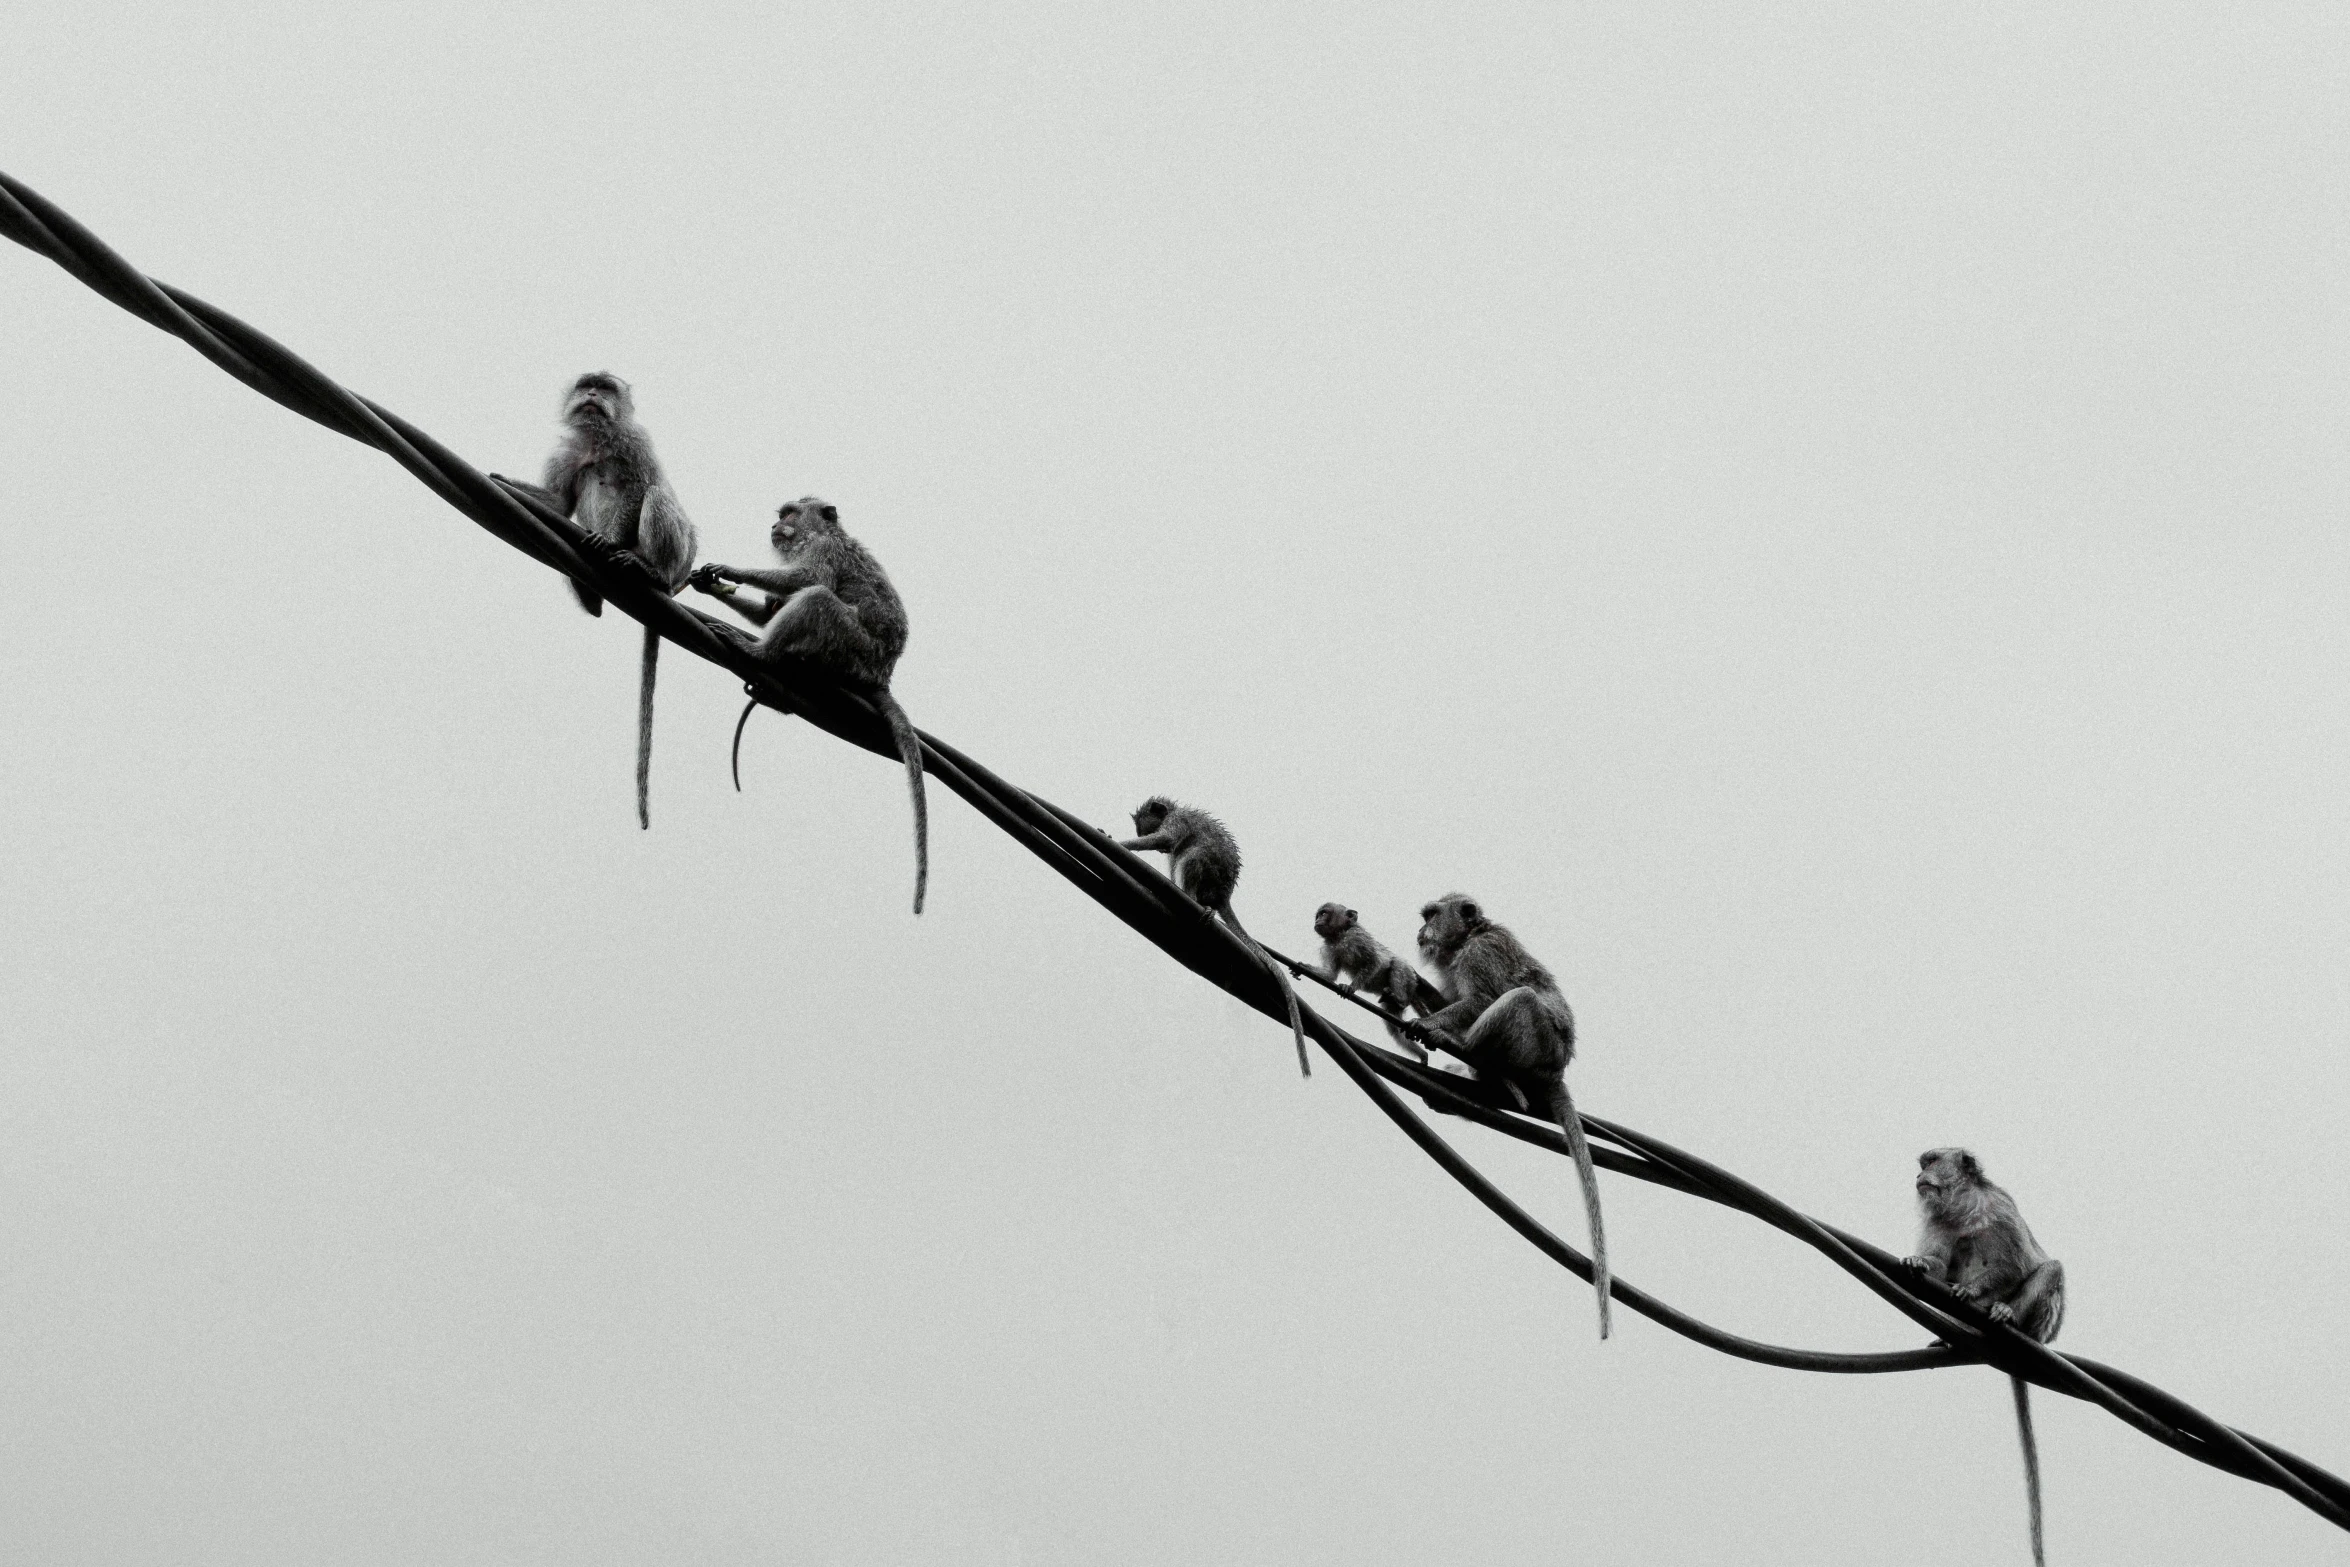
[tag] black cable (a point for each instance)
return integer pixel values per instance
(1091, 860)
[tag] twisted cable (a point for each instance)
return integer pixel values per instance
(1090, 860)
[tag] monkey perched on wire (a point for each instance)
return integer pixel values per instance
(832, 605)
(603, 475)
(1506, 1017)
(1354, 960)
(1975, 1241)
(1203, 858)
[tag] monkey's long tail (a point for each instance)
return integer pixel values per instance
(1297, 1027)
(910, 748)
(2023, 1426)
(644, 730)
(736, 761)
(1572, 1124)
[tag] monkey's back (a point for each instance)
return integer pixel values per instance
(1206, 859)
(861, 584)
(1493, 961)
(1366, 960)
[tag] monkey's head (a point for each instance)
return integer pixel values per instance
(1448, 922)
(796, 520)
(1946, 1174)
(1152, 814)
(1333, 920)
(599, 397)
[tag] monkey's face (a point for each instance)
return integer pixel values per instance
(1942, 1171)
(1151, 815)
(796, 520)
(598, 398)
(1449, 921)
(1333, 920)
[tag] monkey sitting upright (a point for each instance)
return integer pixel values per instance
(1506, 1018)
(1203, 858)
(1975, 1241)
(833, 606)
(603, 475)
(1354, 960)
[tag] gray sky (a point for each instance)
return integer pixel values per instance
(1830, 526)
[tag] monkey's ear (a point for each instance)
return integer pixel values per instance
(1350, 914)
(1971, 1165)
(1469, 910)
(832, 514)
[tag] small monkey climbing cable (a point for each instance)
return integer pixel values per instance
(1090, 860)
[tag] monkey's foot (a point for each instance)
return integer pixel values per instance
(626, 562)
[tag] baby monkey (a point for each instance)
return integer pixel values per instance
(1203, 858)
(1975, 1241)
(1504, 1016)
(832, 606)
(1354, 960)
(603, 476)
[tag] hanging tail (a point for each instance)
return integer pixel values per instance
(2023, 1426)
(1572, 1124)
(644, 729)
(1297, 1027)
(736, 761)
(910, 749)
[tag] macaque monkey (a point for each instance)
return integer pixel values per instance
(1203, 858)
(1974, 1240)
(604, 477)
(832, 606)
(1354, 960)
(1505, 1017)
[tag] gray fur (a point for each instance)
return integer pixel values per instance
(1203, 858)
(1504, 1016)
(603, 476)
(1974, 1240)
(831, 605)
(1356, 961)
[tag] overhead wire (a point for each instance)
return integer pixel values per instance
(1090, 860)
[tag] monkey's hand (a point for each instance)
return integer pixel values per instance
(2000, 1311)
(710, 577)
(1922, 1264)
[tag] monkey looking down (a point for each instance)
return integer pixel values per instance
(1974, 1240)
(1505, 1017)
(1203, 858)
(832, 606)
(1354, 960)
(603, 476)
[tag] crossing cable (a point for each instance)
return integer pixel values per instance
(1148, 903)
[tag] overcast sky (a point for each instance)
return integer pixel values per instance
(1831, 526)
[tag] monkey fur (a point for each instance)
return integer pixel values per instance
(1203, 858)
(1504, 1016)
(1974, 1240)
(830, 605)
(1355, 961)
(603, 476)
